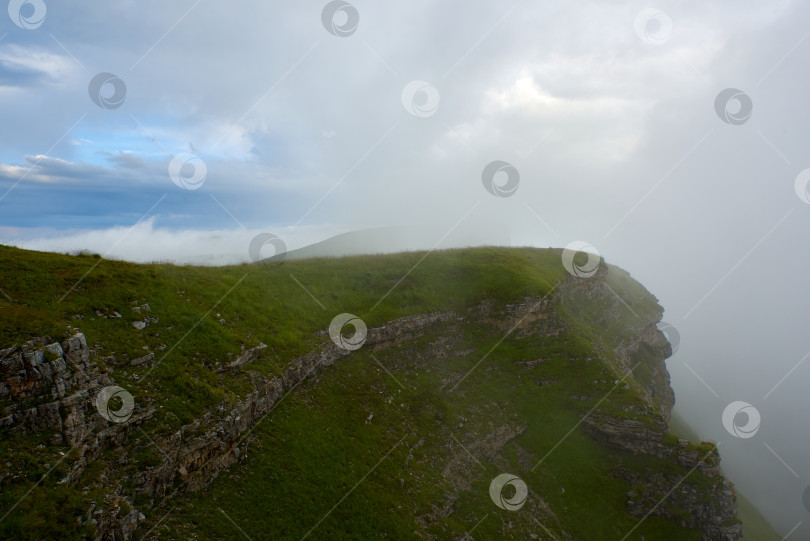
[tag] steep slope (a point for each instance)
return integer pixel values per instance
(476, 363)
(757, 527)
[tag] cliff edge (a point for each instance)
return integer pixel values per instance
(559, 381)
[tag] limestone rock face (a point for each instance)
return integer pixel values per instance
(639, 341)
(715, 515)
(644, 344)
(61, 378)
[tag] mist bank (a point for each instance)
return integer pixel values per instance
(145, 242)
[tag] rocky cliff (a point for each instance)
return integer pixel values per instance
(52, 388)
(626, 327)
(641, 350)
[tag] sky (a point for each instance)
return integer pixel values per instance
(179, 131)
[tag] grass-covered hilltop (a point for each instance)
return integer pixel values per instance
(495, 396)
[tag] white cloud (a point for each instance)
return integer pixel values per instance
(36, 61)
(145, 242)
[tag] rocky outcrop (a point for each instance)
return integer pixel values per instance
(51, 387)
(39, 367)
(651, 438)
(672, 496)
(668, 496)
(639, 348)
(629, 435)
(637, 344)
(648, 350)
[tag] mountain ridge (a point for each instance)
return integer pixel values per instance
(576, 324)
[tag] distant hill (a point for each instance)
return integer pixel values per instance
(385, 240)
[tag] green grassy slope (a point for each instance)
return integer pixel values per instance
(258, 303)
(320, 442)
(311, 451)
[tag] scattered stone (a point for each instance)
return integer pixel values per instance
(145, 359)
(245, 357)
(531, 364)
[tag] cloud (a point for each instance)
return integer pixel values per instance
(50, 170)
(145, 242)
(27, 67)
